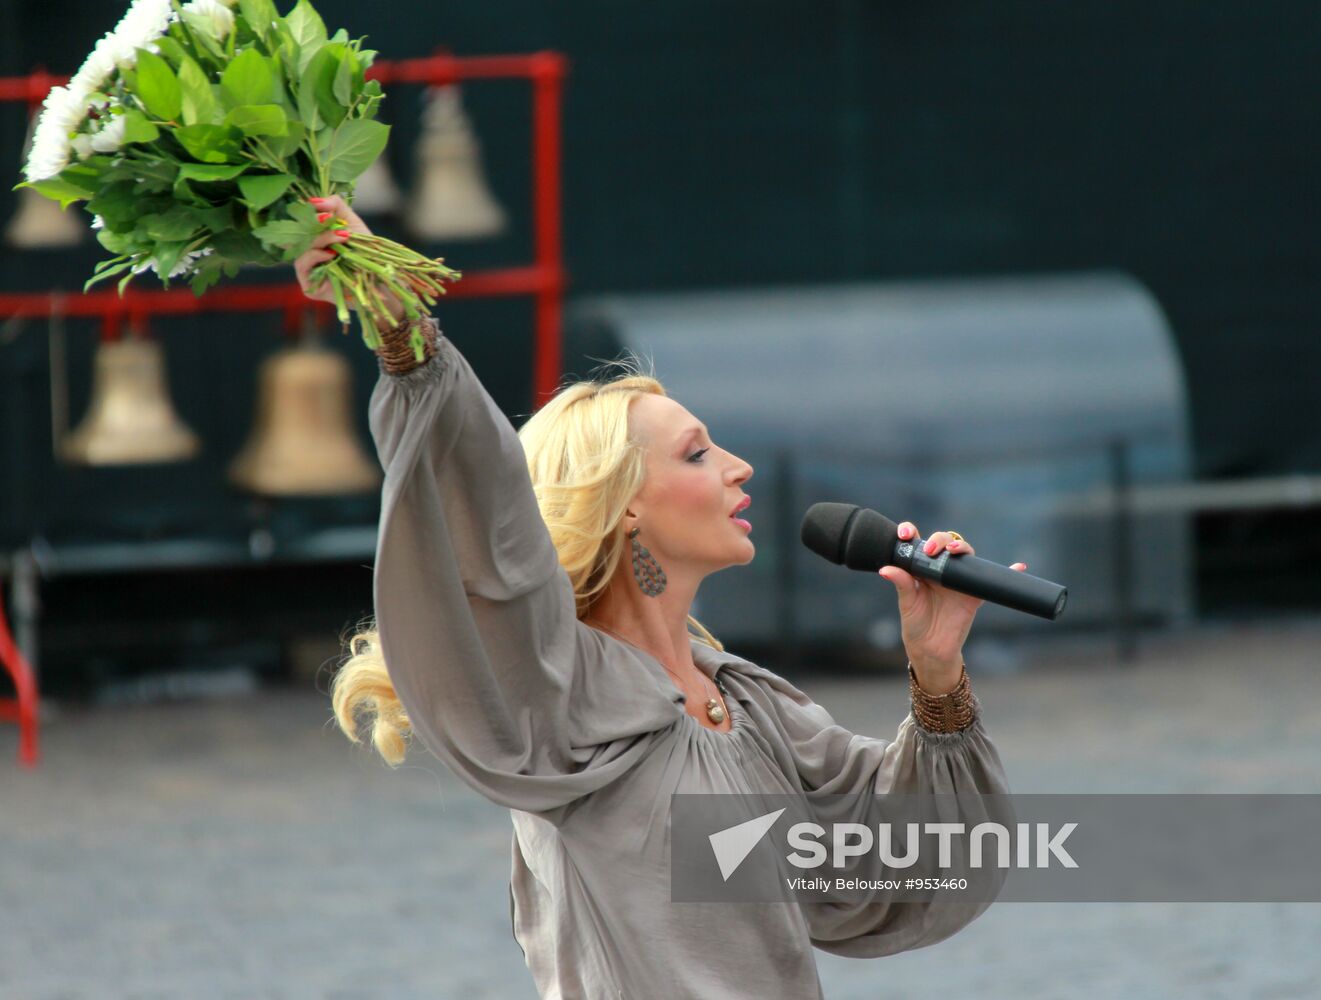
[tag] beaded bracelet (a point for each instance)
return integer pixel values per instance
(946, 713)
(396, 350)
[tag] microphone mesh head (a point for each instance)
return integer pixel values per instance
(823, 529)
(849, 535)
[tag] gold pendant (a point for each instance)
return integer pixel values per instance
(714, 712)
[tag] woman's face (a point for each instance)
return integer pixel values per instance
(691, 487)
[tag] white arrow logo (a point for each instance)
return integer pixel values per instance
(735, 843)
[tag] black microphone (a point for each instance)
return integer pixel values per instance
(860, 538)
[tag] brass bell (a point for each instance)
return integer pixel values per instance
(375, 192)
(302, 441)
(40, 222)
(452, 200)
(130, 418)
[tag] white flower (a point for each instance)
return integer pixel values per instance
(96, 67)
(186, 264)
(145, 21)
(62, 112)
(111, 137)
(210, 16)
(82, 145)
(98, 222)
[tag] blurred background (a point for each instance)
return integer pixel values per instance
(1042, 273)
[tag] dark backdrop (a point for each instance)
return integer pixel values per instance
(716, 144)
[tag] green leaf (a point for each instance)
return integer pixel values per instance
(317, 103)
(249, 80)
(115, 242)
(285, 146)
(154, 175)
(289, 54)
(211, 143)
(171, 50)
(259, 190)
(207, 273)
(209, 172)
(205, 173)
(308, 29)
(345, 75)
(179, 223)
(108, 269)
(355, 148)
(235, 245)
(201, 26)
(333, 110)
(258, 119)
(167, 255)
(301, 211)
(157, 86)
(217, 219)
(260, 15)
(116, 202)
(199, 104)
(57, 189)
(137, 128)
(286, 235)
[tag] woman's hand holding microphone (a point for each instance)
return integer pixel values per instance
(934, 620)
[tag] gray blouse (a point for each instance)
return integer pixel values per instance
(585, 738)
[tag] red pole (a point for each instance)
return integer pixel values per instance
(549, 69)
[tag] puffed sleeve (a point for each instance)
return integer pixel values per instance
(822, 757)
(475, 613)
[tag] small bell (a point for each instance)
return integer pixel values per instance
(302, 442)
(452, 200)
(375, 192)
(39, 222)
(130, 418)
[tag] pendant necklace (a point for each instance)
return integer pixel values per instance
(715, 711)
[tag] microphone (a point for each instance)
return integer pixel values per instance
(860, 538)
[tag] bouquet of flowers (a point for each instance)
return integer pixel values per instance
(196, 133)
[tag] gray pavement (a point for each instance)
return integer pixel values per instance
(242, 848)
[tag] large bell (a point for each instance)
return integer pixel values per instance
(375, 192)
(452, 200)
(302, 441)
(40, 222)
(130, 418)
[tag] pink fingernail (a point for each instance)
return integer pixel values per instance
(953, 545)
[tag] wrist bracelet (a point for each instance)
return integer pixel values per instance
(946, 713)
(396, 350)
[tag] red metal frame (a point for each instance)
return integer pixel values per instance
(544, 278)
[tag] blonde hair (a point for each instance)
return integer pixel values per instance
(585, 465)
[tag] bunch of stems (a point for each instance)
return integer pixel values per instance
(364, 266)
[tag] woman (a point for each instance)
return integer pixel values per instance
(532, 593)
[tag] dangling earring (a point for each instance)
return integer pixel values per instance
(650, 577)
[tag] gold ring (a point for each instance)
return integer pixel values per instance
(955, 534)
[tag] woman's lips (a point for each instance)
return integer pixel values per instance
(739, 520)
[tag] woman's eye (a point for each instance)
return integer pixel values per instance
(697, 455)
